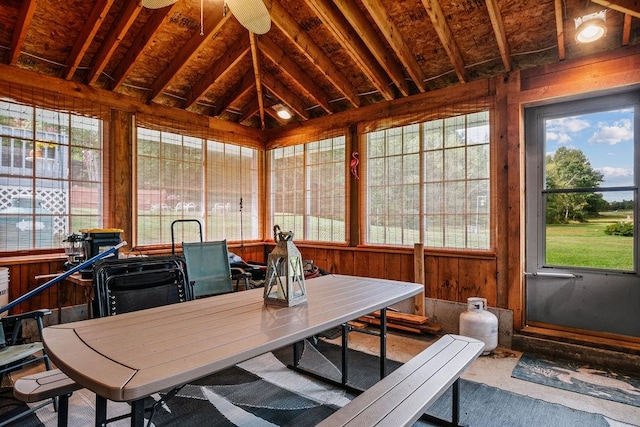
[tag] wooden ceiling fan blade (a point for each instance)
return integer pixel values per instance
(157, 4)
(252, 14)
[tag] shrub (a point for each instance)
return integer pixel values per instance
(620, 229)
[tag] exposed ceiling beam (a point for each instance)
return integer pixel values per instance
(375, 43)
(246, 84)
(285, 22)
(630, 7)
(212, 24)
(20, 32)
(284, 94)
(146, 35)
(498, 29)
(394, 38)
(98, 13)
(258, 75)
(626, 30)
(439, 21)
(127, 17)
(560, 28)
(232, 56)
(249, 110)
(353, 45)
(288, 66)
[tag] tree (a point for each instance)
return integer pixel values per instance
(569, 169)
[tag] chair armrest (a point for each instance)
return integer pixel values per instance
(237, 272)
(28, 315)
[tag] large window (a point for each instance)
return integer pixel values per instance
(50, 176)
(429, 182)
(307, 189)
(186, 178)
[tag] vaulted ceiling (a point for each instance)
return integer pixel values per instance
(320, 57)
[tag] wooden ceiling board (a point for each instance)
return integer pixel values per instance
(213, 49)
(325, 39)
(9, 11)
(54, 30)
(299, 58)
(126, 43)
(418, 32)
(319, 65)
(476, 46)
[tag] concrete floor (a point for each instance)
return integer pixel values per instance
(495, 370)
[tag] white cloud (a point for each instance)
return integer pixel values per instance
(613, 134)
(611, 172)
(567, 125)
(560, 138)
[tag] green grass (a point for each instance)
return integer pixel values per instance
(586, 244)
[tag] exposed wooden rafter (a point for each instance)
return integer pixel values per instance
(626, 30)
(378, 49)
(501, 36)
(434, 10)
(395, 40)
(213, 22)
(630, 7)
(285, 22)
(288, 66)
(98, 13)
(19, 34)
(151, 27)
(246, 84)
(353, 45)
(258, 76)
(226, 64)
(123, 23)
(559, 28)
(285, 94)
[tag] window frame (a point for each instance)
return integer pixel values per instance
(423, 183)
(59, 171)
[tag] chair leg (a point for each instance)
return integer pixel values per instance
(63, 410)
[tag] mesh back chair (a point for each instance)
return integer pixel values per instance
(14, 353)
(208, 270)
(122, 286)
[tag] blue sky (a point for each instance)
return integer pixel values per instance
(606, 138)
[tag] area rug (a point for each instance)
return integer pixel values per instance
(580, 378)
(10, 407)
(264, 392)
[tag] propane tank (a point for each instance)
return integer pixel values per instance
(480, 324)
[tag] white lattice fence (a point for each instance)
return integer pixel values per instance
(53, 200)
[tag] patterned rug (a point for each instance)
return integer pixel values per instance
(264, 392)
(598, 382)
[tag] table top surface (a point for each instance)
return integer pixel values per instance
(133, 355)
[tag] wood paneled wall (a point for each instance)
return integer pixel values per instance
(451, 276)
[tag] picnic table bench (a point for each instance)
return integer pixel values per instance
(403, 396)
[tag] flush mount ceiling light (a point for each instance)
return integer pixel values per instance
(590, 28)
(282, 111)
(157, 4)
(252, 14)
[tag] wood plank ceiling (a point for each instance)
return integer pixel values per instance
(319, 57)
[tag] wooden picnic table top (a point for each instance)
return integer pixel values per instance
(133, 355)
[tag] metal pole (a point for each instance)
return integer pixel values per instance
(61, 277)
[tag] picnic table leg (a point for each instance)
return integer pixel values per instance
(345, 354)
(455, 403)
(383, 343)
(101, 411)
(137, 413)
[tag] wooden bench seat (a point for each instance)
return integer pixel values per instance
(47, 385)
(403, 396)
